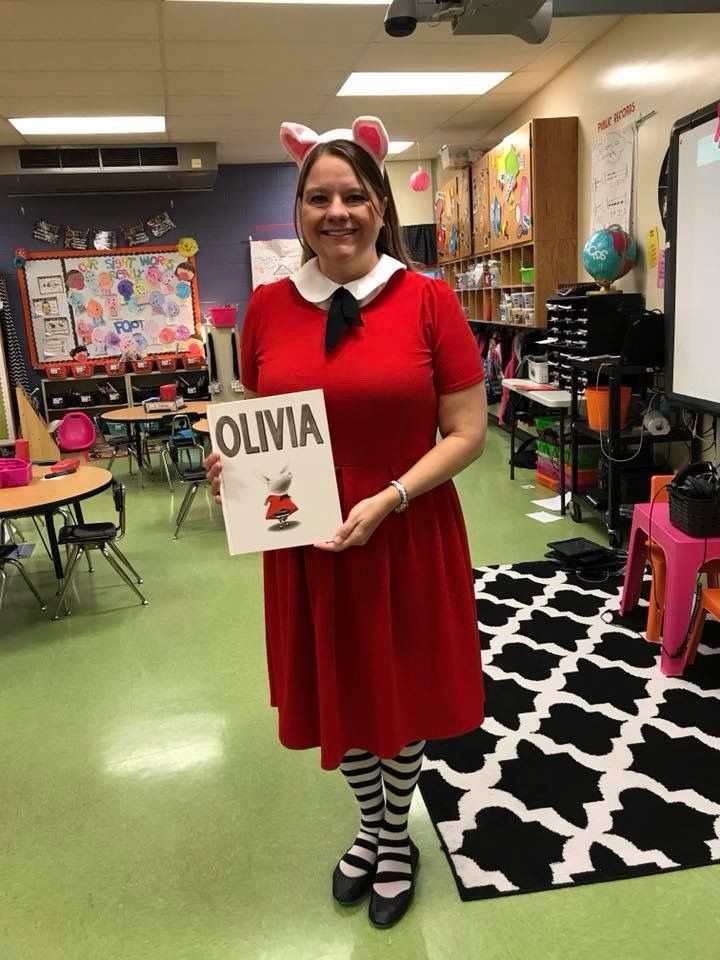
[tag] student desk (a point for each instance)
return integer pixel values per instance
(134, 417)
(551, 399)
(45, 497)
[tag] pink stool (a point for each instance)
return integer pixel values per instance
(684, 556)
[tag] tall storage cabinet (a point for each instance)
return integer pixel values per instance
(524, 225)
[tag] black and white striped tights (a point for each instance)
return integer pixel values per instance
(383, 790)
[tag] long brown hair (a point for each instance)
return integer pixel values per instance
(376, 183)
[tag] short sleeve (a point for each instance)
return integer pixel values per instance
(249, 341)
(456, 359)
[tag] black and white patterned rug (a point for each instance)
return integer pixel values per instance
(591, 764)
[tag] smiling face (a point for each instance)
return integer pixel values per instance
(340, 219)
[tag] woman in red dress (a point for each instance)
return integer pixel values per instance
(372, 639)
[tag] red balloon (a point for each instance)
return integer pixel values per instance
(420, 180)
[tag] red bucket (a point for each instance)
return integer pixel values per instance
(223, 316)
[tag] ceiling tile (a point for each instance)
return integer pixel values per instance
(92, 104)
(68, 83)
(226, 83)
(557, 56)
(480, 55)
(250, 23)
(107, 56)
(79, 20)
(8, 134)
(219, 55)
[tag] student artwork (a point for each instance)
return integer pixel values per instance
(105, 240)
(148, 295)
(160, 224)
(76, 238)
(134, 235)
(279, 484)
(20, 257)
(47, 232)
(187, 247)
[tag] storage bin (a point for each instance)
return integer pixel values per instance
(527, 274)
(191, 361)
(115, 368)
(166, 363)
(588, 454)
(82, 369)
(142, 366)
(695, 517)
(223, 316)
(57, 371)
(598, 406)
(14, 472)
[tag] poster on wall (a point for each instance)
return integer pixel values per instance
(273, 260)
(128, 302)
(612, 175)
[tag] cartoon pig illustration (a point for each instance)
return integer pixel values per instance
(280, 505)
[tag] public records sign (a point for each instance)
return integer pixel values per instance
(278, 477)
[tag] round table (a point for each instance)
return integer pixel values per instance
(135, 416)
(44, 497)
(201, 426)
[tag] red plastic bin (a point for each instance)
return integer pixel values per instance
(57, 371)
(223, 316)
(142, 366)
(114, 367)
(82, 369)
(15, 473)
(191, 361)
(166, 363)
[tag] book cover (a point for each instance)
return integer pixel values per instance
(278, 478)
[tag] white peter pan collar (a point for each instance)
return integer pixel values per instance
(314, 286)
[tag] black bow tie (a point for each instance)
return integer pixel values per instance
(344, 313)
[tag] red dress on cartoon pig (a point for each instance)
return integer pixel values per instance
(378, 645)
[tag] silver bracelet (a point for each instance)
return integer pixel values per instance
(404, 498)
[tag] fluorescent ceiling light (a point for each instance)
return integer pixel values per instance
(69, 126)
(435, 84)
(397, 146)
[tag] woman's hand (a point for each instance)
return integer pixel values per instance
(213, 469)
(362, 521)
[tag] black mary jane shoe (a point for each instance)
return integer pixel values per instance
(387, 911)
(350, 890)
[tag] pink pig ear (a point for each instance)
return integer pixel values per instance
(370, 133)
(297, 140)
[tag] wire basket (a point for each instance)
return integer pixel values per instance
(695, 517)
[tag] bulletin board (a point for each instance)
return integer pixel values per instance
(511, 190)
(133, 301)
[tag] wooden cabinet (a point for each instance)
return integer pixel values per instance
(455, 221)
(480, 197)
(524, 225)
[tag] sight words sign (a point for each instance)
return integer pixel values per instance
(278, 478)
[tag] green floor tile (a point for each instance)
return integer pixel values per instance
(147, 811)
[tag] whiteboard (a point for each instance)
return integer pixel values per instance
(692, 292)
(128, 302)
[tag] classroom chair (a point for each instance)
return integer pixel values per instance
(76, 433)
(709, 603)
(118, 443)
(83, 537)
(179, 436)
(6, 557)
(190, 471)
(656, 559)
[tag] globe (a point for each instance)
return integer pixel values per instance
(609, 254)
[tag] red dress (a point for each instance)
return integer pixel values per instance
(378, 645)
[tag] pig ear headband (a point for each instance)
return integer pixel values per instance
(367, 132)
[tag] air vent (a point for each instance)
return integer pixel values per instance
(82, 157)
(159, 156)
(120, 156)
(37, 159)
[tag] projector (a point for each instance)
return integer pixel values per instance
(529, 20)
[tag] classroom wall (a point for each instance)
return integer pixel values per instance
(248, 200)
(412, 207)
(668, 63)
